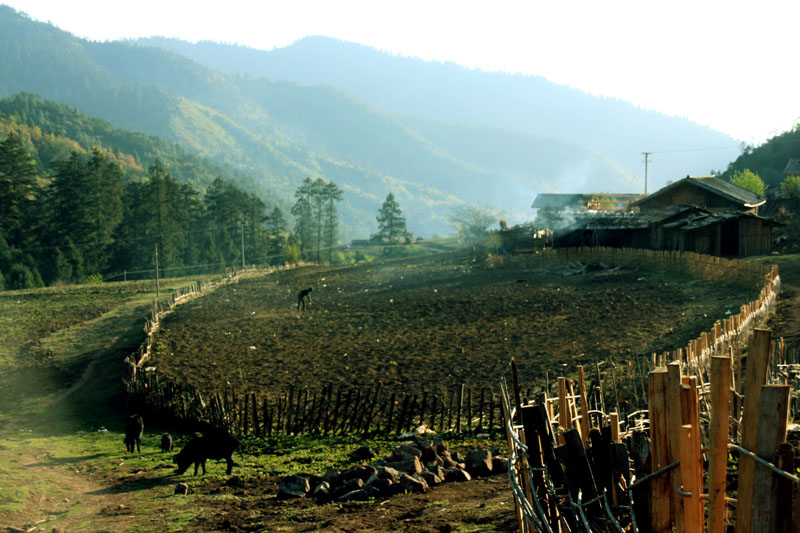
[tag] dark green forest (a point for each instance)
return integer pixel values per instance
(768, 160)
(83, 200)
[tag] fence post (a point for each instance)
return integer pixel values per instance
(718, 437)
(673, 405)
(660, 486)
(773, 413)
(756, 376)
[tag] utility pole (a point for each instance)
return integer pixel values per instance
(158, 292)
(242, 245)
(646, 161)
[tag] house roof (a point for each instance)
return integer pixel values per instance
(792, 167)
(715, 185)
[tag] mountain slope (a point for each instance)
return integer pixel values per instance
(455, 94)
(279, 132)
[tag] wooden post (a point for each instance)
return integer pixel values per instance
(585, 422)
(773, 414)
(660, 486)
(756, 370)
(718, 437)
(692, 474)
(564, 422)
(614, 419)
(674, 409)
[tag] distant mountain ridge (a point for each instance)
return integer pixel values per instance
(277, 132)
(451, 93)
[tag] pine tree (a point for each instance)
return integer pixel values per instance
(391, 222)
(17, 189)
(332, 194)
(303, 215)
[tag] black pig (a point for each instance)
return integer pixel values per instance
(134, 427)
(166, 442)
(211, 446)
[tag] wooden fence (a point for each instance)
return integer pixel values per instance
(714, 421)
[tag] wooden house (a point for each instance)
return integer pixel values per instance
(708, 192)
(699, 214)
(792, 168)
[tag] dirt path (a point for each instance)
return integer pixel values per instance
(74, 499)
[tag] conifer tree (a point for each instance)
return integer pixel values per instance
(391, 222)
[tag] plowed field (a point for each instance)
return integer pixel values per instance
(432, 322)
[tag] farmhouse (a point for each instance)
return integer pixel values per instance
(699, 214)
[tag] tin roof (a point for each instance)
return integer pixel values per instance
(715, 185)
(792, 167)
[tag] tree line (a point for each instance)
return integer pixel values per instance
(82, 220)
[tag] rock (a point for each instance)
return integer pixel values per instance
(365, 453)
(331, 475)
(349, 486)
(322, 493)
(181, 488)
(457, 457)
(499, 465)
(403, 452)
(436, 470)
(439, 446)
(292, 487)
(380, 488)
(314, 481)
(363, 472)
(411, 484)
(479, 463)
(387, 472)
(409, 466)
(429, 454)
(431, 479)
(358, 495)
(447, 459)
(457, 475)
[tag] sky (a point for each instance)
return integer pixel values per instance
(728, 65)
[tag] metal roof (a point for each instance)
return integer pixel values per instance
(792, 167)
(715, 185)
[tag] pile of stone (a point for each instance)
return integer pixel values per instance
(413, 467)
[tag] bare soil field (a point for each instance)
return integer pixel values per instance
(430, 323)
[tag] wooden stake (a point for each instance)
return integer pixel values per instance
(585, 422)
(773, 413)
(757, 362)
(692, 475)
(660, 493)
(718, 436)
(674, 422)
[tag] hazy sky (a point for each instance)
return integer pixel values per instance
(729, 65)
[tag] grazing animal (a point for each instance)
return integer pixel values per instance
(166, 442)
(134, 428)
(213, 445)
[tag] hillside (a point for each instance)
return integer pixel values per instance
(769, 160)
(53, 131)
(279, 132)
(448, 92)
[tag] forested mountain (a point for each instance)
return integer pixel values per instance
(448, 92)
(82, 200)
(280, 132)
(769, 160)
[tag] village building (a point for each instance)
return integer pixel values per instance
(699, 214)
(792, 168)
